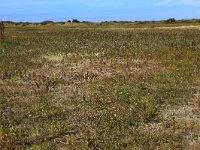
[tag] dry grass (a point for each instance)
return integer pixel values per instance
(63, 88)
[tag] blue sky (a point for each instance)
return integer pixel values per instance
(98, 10)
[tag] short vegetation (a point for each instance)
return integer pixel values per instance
(99, 88)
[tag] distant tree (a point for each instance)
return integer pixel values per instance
(86, 22)
(9, 22)
(171, 20)
(46, 22)
(75, 20)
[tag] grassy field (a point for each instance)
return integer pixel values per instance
(99, 88)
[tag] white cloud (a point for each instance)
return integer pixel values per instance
(177, 2)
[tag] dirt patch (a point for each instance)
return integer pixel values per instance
(180, 27)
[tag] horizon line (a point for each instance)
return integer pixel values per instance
(82, 20)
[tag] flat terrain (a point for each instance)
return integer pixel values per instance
(100, 88)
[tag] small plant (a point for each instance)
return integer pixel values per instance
(2, 27)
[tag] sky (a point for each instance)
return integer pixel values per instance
(98, 10)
